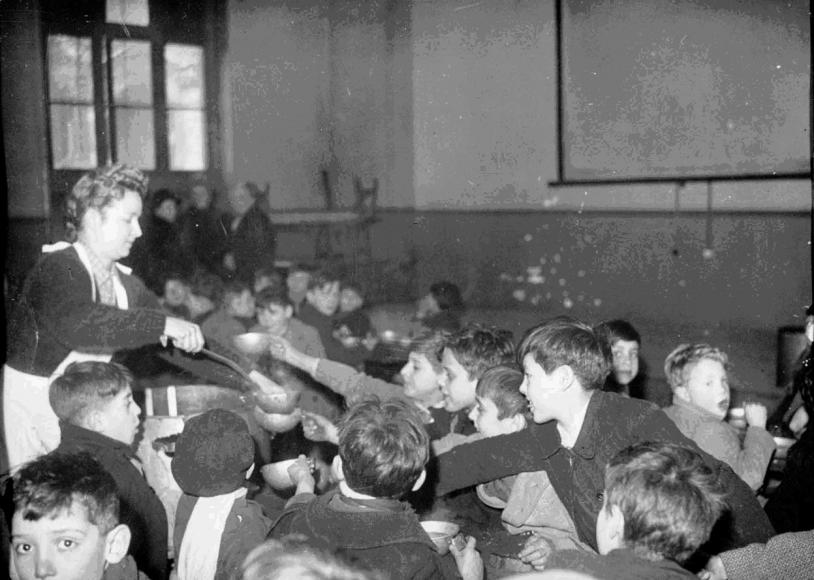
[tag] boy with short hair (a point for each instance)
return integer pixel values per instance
(577, 429)
(94, 403)
(234, 316)
(625, 342)
(660, 503)
(66, 522)
(467, 354)
(299, 275)
(216, 526)
(697, 374)
(275, 316)
(352, 326)
(383, 449)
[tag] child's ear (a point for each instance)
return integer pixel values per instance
(94, 421)
(336, 468)
(420, 481)
(682, 393)
(289, 311)
(117, 543)
(565, 376)
(518, 421)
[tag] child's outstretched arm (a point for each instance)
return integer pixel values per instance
(300, 473)
(340, 378)
(318, 428)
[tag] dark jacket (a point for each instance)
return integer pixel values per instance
(56, 314)
(140, 507)
(381, 534)
(253, 243)
(246, 528)
(612, 423)
(617, 565)
(334, 350)
(203, 238)
(791, 506)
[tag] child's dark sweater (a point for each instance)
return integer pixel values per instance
(141, 509)
(381, 534)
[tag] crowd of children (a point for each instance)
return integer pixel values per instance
(566, 467)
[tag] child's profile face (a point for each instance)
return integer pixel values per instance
(62, 546)
(706, 385)
(540, 388)
(275, 318)
(349, 300)
(325, 299)
(608, 534)
(625, 360)
(421, 381)
(485, 415)
(119, 419)
(242, 305)
(458, 388)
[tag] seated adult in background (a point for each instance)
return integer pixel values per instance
(441, 308)
(791, 507)
(577, 429)
(659, 505)
(66, 522)
(160, 251)
(624, 342)
(789, 556)
(697, 375)
(201, 236)
(78, 303)
(250, 242)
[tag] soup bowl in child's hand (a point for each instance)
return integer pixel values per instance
(441, 533)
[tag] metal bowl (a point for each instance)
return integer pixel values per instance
(441, 533)
(281, 402)
(252, 343)
(276, 422)
(276, 474)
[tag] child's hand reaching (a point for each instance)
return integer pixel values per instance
(319, 428)
(468, 559)
(301, 473)
(755, 415)
(535, 552)
(280, 348)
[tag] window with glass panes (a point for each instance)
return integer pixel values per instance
(124, 87)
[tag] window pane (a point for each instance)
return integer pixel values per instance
(135, 142)
(132, 73)
(70, 74)
(135, 12)
(184, 66)
(73, 137)
(186, 134)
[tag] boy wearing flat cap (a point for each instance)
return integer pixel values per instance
(213, 457)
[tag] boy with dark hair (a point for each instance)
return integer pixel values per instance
(577, 429)
(66, 522)
(97, 414)
(442, 307)
(216, 526)
(275, 316)
(625, 342)
(234, 316)
(383, 449)
(467, 354)
(660, 503)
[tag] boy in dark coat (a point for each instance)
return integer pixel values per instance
(383, 449)
(94, 403)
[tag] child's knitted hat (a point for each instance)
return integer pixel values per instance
(212, 454)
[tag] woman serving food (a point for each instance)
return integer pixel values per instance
(79, 303)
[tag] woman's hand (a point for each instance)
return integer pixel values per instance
(184, 334)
